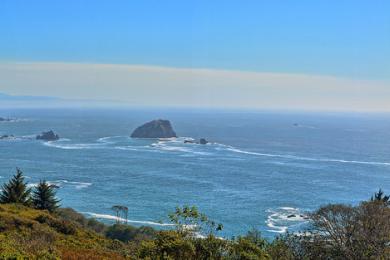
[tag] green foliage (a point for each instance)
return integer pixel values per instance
(280, 249)
(16, 190)
(47, 232)
(189, 220)
(246, 249)
(28, 233)
(211, 247)
(63, 226)
(127, 233)
(72, 215)
(380, 196)
(167, 245)
(343, 232)
(96, 226)
(44, 197)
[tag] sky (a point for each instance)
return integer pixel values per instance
(311, 55)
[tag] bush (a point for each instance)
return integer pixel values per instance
(210, 247)
(38, 241)
(62, 226)
(72, 215)
(167, 245)
(96, 226)
(246, 250)
(127, 233)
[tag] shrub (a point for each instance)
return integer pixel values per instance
(62, 226)
(127, 233)
(167, 245)
(72, 215)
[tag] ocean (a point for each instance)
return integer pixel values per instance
(261, 169)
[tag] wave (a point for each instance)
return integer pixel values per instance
(61, 145)
(18, 138)
(127, 148)
(178, 145)
(305, 126)
(61, 183)
(16, 120)
(101, 143)
(281, 219)
(111, 217)
(11, 139)
(111, 139)
(293, 157)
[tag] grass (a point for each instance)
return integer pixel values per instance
(26, 233)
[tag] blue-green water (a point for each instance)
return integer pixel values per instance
(258, 169)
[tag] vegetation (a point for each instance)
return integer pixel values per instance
(33, 227)
(16, 190)
(44, 197)
(345, 232)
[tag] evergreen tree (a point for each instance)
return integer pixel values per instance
(380, 196)
(16, 190)
(44, 197)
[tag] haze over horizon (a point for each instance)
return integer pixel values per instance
(328, 55)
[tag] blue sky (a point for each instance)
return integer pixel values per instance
(340, 38)
(348, 38)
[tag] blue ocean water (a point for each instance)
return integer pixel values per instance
(259, 167)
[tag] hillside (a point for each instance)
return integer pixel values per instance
(33, 226)
(27, 232)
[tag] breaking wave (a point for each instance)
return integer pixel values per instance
(281, 219)
(111, 217)
(62, 144)
(63, 183)
(177, 145)
(293, 157)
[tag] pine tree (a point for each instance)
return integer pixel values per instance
(16, 190)
(380, 196)
(44, 196)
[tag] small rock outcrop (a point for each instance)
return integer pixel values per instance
(3, 119)
(48, 136)
(154, 129)
(203, 141)
(6, 137)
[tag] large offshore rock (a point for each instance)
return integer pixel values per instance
(48, 136)
(155, 129)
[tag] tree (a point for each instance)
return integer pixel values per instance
(16, 190)
(121, 213)
(44, 197)
(380, 196)
(188, 220)
(345, 232)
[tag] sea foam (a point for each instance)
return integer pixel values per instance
(115, 218)
(281, 219)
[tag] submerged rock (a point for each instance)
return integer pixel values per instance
(6, 137)
(48, 136)
(3, 119)
(155, 129)
(203, 141)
